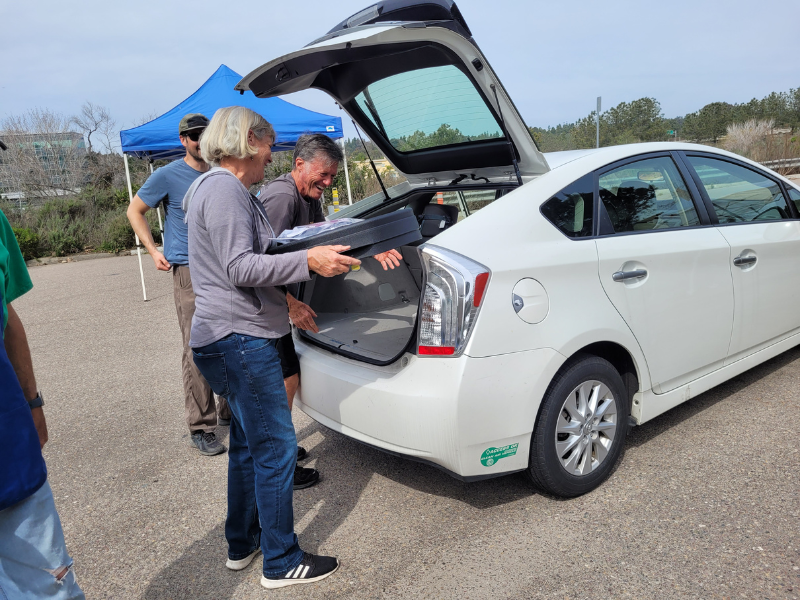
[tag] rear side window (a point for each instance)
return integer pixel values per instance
(739, 195)
(794, 196)
(572, 208)
(451, 199)
(477, 199)
(647, 194)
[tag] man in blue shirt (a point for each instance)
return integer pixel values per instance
(33, 555)
(168, 186)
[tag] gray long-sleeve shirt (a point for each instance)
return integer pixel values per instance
(233, 279)
(286, 208)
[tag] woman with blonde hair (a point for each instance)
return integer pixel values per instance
(239, 316)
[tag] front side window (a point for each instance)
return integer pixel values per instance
(427, 108)
(572, 208)
(739, 195)
(647, 194)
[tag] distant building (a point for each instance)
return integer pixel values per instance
(36, 165)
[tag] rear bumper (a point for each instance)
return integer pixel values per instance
(463, 414)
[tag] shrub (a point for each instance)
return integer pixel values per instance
(117, 235)
(28, 242)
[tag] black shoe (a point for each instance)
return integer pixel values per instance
(301, 453)
(312, 568)
(305, 478)
(223, 422)
(206, 442)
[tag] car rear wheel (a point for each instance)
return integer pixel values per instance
(580, 433)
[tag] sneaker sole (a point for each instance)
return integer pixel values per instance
(273, 584)
(303, 486)
(214, 453)
(242, 563)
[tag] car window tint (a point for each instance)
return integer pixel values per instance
(477, 199)
(572, 208)
(794, 196)
(647, 194)
(427, 108)
(739, 195)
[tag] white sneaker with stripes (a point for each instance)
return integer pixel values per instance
(312, 568)
(238, 565)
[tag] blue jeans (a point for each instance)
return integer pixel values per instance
(262, 455)
(33, 556)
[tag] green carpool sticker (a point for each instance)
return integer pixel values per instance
(492, 455)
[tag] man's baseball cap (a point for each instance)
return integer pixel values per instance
(192, 121)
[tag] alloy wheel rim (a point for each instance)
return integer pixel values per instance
(586, 427)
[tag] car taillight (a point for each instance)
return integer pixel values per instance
(454, 287)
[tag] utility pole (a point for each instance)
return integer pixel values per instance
(599, 101)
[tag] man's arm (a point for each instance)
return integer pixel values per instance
(19, 353)
(301, 314)
(136, 215)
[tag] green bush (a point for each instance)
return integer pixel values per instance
(117, 235)
(93, 220)
(28, 242)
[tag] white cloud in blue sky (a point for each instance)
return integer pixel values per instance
(554, 58)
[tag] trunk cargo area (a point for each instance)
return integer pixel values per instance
(369, 314)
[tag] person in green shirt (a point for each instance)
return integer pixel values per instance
(34, 562)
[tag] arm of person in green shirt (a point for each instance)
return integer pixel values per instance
(19, 353)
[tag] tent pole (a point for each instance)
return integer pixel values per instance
(158, 213)
(346, 174)
(138, 244)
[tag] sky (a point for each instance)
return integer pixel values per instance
(554, 58)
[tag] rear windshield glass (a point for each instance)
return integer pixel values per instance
(427, 108)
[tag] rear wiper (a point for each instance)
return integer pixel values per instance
(374, 113)
(374, 168)
(508, 138)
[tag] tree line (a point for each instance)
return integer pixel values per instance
(642, 120)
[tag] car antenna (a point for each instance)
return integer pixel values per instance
(508, 138)
(374, 168)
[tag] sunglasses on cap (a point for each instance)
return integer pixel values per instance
(194, 134)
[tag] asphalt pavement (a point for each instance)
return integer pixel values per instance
(705, 504)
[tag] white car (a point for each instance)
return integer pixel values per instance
(556, 299)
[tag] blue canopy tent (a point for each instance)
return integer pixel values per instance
(158, 139)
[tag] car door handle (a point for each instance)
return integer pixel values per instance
(743, 261)
(623, 275)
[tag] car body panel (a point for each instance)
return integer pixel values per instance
(445, 412)
(307, 68)
(681, 312)
(765, 310)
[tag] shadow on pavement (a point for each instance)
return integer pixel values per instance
(348, 467)
(200, 572)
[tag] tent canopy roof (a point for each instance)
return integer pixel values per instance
(159, 139)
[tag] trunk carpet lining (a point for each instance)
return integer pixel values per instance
(378, 334)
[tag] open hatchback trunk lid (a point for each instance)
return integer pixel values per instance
(422, 91)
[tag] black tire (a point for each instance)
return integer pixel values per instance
(550, 449)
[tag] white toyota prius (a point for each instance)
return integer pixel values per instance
(554, 299)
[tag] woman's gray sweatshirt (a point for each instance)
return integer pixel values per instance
(233, 280)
